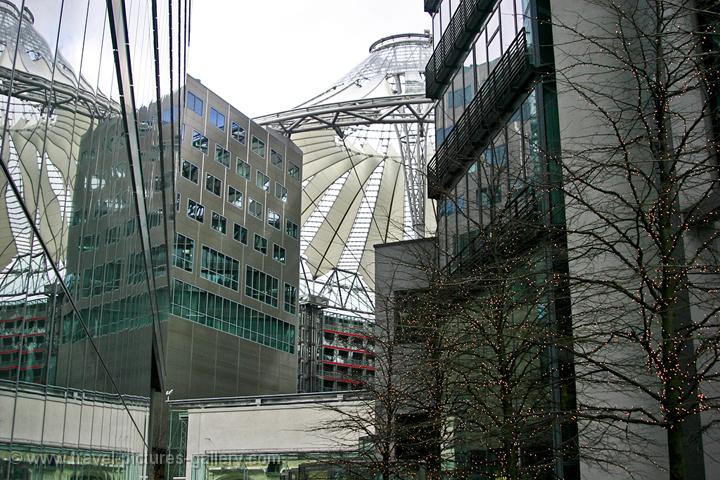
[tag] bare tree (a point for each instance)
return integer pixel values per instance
(504, 367)
(466, 376)
(397, 436)
(637, 93)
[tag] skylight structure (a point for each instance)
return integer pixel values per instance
(365, 141)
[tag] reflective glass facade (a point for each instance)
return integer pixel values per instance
(507, 19)
(505, 188)
(503, 174)
(88, 120)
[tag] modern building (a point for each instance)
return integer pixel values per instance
(533, 106)
(85, 153)
(335, 347)
(235, 263)
(271, 436)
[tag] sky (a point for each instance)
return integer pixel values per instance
(266, 56)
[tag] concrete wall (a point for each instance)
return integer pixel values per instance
(597, 311)
(301, 423)
(205, 362)
(73, 420)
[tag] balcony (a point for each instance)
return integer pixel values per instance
(519, 219)
(455, 41)
(510, 78)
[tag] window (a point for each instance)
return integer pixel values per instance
(243, 169)
(222, 156)
(291, 229)
(240, 233)
(261, 286)
(136, 268)
(78, 217)
(130, 227)
(113, 275)
(155, 218)
(219, 268)
(184, 252)
(217, 119)
(237, 132)
(219, 222)
(200, 141)
(195, 103)
(260, 244)
(158, 260)
(235, 197)
(280, 192)
(168, 114)
(88, 243)
(278, 253)
(195, 211)
(257, 146)
(262, 181)
(290, 298)
(293, 171)
(213, 184)
(410, 327)
(488, 197)
(255, 208)
(112, 235)
(214, 311)
(273, 219)
(276, 159)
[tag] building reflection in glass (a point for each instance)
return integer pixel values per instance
(83, 229)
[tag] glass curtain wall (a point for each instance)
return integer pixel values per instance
(86, 151)
(501, 27)
(502, 172)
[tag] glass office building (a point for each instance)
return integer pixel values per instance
(492, 175)
(89, 130)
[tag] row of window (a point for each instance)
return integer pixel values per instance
(214, 311)
(261, 286)
(224, 270)
(103, 207)
(257, 146)
(195, 104)
(214, 184)
(218, 222)
(502, 26)
(235, 196)
(102, 278)
(500, 182)
(219, 268)
(106, 318)
(108, 277)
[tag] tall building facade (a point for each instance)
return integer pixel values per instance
(537, 103)
(335, 348)
(85, 153)
(496, 130)
(235, 260)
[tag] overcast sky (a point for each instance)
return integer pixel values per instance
(265, 56)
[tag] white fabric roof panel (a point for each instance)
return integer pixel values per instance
(354, 187)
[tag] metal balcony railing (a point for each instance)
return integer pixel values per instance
(478, 123)
(455, 42)
(521, 214)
